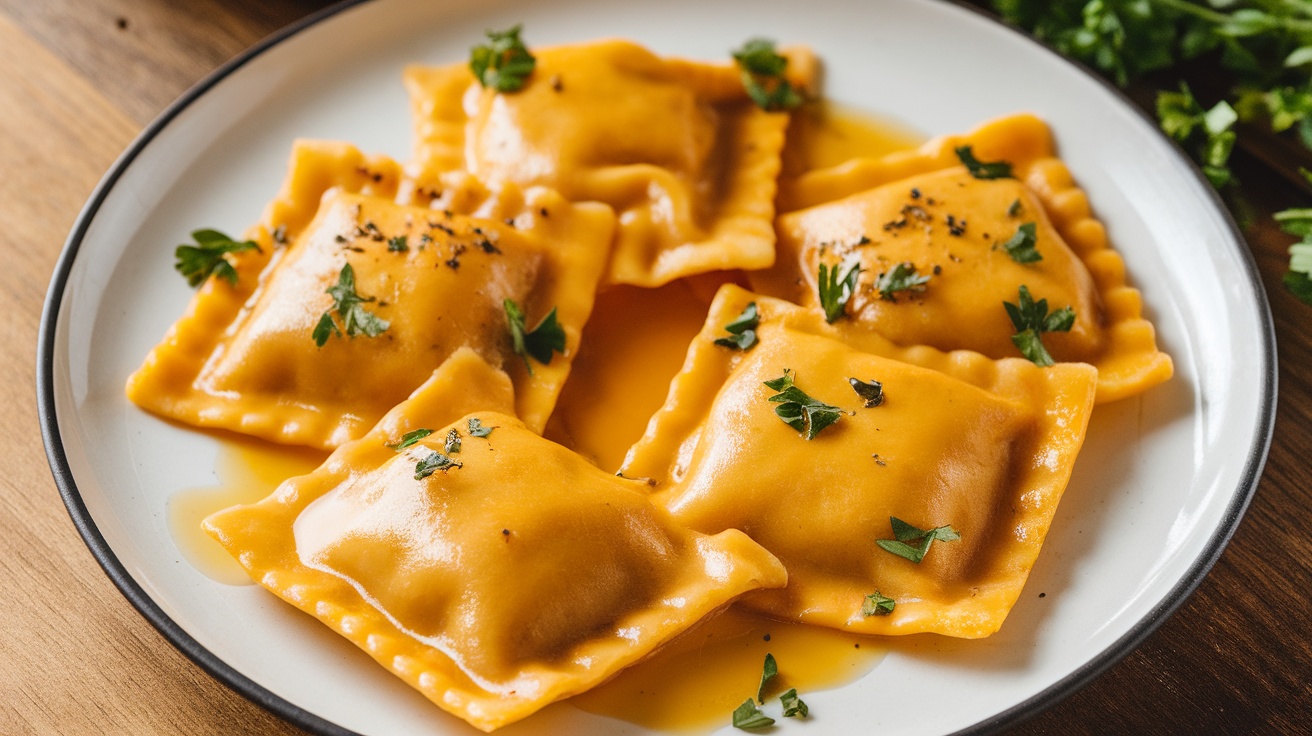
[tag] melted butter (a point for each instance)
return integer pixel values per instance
(826, 134)
(248, 470)
(695, 683)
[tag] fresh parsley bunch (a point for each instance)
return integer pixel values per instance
(1264, 48)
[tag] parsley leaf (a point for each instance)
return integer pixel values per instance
(836, 291)
(538, 343)
(476, 428)
(349, 305)
(434, 461)
(410, 438)
(901, 278)
(398, 244)
(793, 705)
(504, 62)
(452, 442)
(1022, 247)
(877, 604)
(742, 330)
(1206, 133)
(904, 533)
(206, 258)
(1031, 319)
(871, 392)
(762, 69)
(798, 410)
(768, 672)
(748, 715)
(980, 169)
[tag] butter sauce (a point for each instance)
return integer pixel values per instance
(632, 346)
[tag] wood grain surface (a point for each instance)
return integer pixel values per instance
(79, 79)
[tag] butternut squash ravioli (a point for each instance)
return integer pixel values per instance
(852, 442)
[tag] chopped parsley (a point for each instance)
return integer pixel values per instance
(904, 533)
(871, 392)
(1298, 279)
(1031, 319)
(432, 462)
(349, 305)
(983, 170)
(768, 672)
(798, 410)
(877, 604)
(504, 62)
(1023, 246)
(742, 330)
(794, 707)
(452, 443)
(410, 438)
(540, 342)
(206, 258)
(748, 715)
(836, 291)
(398, 244)
(901, 278)
(762, 70)
(476, 428)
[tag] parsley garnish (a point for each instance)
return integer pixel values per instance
(836, 291)
(452, 443)
(980, 169)
(1022, 247)
(798, 410)
(398, 244)
(768, 671)
(349, 305)
(742, 330)
(793, 705)
(877, 604)
(902, 277)
(762, 71)
(504, 63)
(539, 342)
(434, 461)
(1014, 209)
(1031, 320)
(1207, 132)
(198, 262)
(1298, 279)
(410, 438)
(748, 715)
(871, 392)
(905, 532)
(476, 428)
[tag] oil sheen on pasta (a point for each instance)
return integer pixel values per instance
(632, 346)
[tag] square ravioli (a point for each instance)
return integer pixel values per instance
(977, 241)
(675, 147)
(492, 570)
(313, 345)
(814, 439)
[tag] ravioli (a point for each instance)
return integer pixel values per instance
(959, 440)
(247, 359)
(675, 147)
(923, 207)
(514, 577)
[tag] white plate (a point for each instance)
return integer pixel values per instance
(1157, 492)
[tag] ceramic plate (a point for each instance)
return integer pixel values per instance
(1157, 492)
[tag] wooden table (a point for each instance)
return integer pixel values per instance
(79, 79)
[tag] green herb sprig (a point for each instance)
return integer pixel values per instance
(503, 63)
(349, 306)
(1031, 319)
(742, 330)
(980, 169)
(900, 279)
(835, 290)
(410, 438)
(798, 409)
(208, 257)
(1023, 246)
(477, 428)
(762, 69)
(877, 604)
(904, 533)
(538, 343)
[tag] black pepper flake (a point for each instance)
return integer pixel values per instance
(917, 212)
(1043, 595)
(953, 258)
(766, 637)
(488, 247)
(280, 235)
(341, 238)
(543, 211)
(930, 201)
(937, 269)
(556, 86)
(956, 227)
(356, 249)
(915, 193)
(879, 460)
(122, 23)
(447, 214)
(864, 240)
